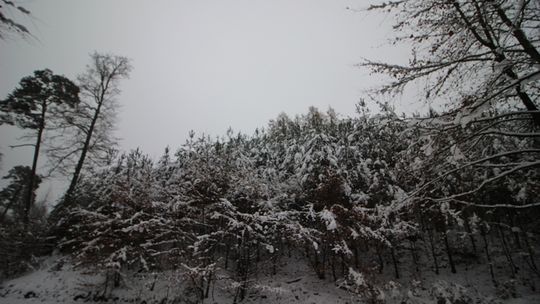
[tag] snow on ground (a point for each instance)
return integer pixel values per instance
(58, 282)
(295, 282)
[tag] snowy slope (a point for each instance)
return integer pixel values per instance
(58, 282)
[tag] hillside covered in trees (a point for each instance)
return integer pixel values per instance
(334, 191)
(375, 207)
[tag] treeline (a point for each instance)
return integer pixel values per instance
(350, 195)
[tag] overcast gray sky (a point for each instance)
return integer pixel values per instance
(205, 65)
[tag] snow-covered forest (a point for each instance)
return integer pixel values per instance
(376, 207)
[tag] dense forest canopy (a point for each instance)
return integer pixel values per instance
(351, 193)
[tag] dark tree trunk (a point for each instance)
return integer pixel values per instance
(449, 253)
(343, 266)
(208, 282)
(471, 236)
(84, 151)
(395, 262)
(530, 252)
(433, 251)
(274, 263)
(333, 265)
(227, 251)
(414, 256)
(31, 180)
(258, 253)
(324, 261)
(380, 258)
(355, 253)
(483, 232)
(507, 252)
